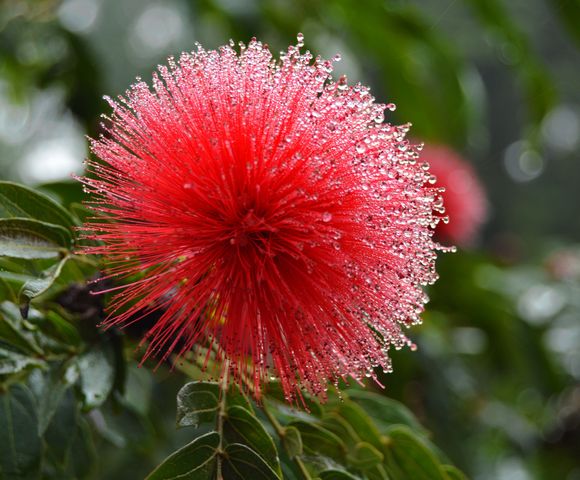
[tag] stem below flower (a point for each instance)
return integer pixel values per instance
(221, 416)
(280, 431)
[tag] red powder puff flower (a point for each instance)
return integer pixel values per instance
(464, 197)
(274, 214)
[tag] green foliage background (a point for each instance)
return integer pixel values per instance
(494, 383)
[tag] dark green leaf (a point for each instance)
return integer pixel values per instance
(241, 426)
(35, 287)
(453, 473)
(317, 439)
(197, 402)
(83, 455)
(81, 212)
(11, 333)
(20, 454)
(569, 12)
(12, 362)
(360, 422)
(18, 201)
(29, 239)
(292, 442)
(60, 434)
(49, 387)
(62, 329)
(242, 463)
(195, 461)
(273, 391)
(97, 375)
(407, 456)
(364, 456)
(65, 191)
(336, 475)
(384, 411)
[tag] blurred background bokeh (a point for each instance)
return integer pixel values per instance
(495, 83)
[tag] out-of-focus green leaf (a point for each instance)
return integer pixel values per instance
(292, 442)
(62, 329)
(59, 437)
(49, 387)
(360, 422)
(12, 362)
(18, 201)
(197, 403)
(453, 473)
(242, 427)
(83, 455)
(65, 191)
(569, 12)
(20, 454)
(30, 239)
(97, 375)
(35, 287)
(538, 86)
(7, 288)
(11, 332)
(336, 475)
(406, 456)
(195, 461)
(364, 456)
(81, 212)
(318, 440)
(384, 411)
(243, 463)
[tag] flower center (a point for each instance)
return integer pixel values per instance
(252, 230)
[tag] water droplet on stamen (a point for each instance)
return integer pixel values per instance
(326, 217)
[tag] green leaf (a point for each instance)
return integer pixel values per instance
(292, 442)
(241, 426)
(81, 212)
(49, 388)
(20, 454)
(336, 475)
(59, 436)
(97, 375)
(37, 286)
(62, 329)
(317, 439)
(197, 403)
(11, 333)
(569, 13)
(83, 455)
(360, 422)
(273, 391)
(407, 456)
(242, 463)
(18, 201)
(364, 456)
(29, 239)
(194, 461)
(384, 411)
(453, 473)
(64, 191)
(13, 362)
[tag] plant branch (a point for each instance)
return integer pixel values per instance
(281, 432)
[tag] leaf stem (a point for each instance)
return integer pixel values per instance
(221, 416)
(280, 431)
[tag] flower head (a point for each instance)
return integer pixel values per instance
(274, 213)
(463, 195)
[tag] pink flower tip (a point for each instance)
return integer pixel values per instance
(465, 203)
